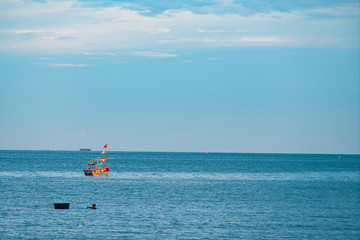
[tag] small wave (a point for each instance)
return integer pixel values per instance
(30, 174)
(284, 176)
(299, 176)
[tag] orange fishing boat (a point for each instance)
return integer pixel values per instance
(97, 166)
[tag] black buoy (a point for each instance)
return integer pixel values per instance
(61, 205)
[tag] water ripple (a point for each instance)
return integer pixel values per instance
(283, 176)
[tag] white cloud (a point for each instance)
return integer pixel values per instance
(222, 31)
(187, 40)
(233, 41)
(101, 53)
(62, 64)
(43, 31)
(163, 30)
(21, 8)
(212, 31)
(154, 31)
(260, 39)
(72, 27)
(342, 10)
(154, 54)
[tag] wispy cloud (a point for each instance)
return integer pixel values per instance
(222, 31)
(154, 54)
(94, 58)
(62, 64)
(341, 10)
(46, 58)
(101, 53)
(187, 40)
(155, 31)
(212, 31)
(270, 39)
(43, 31)
(213, 58)
(120, 62)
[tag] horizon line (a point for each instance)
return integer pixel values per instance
(205, 152)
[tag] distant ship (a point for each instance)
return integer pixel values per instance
(98, 166)
(85, 149)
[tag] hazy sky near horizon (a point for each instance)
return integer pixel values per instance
(192, 75)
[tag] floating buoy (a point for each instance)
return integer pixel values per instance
(61, 205)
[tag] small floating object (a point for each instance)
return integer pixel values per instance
(85, 149)
(61, 205)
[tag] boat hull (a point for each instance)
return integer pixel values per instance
(96, 173)
(100, 174)
(88, 172)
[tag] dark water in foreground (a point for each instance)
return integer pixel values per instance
(192, 196)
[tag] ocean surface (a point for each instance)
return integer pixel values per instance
(156, 195)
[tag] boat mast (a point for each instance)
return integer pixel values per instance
(104, 154)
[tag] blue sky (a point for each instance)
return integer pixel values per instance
(214, 76)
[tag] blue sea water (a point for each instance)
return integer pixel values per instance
(150, 195)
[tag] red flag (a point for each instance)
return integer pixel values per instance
(105, 146)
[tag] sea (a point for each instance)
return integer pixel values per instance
(159, 195)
